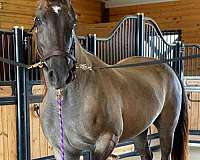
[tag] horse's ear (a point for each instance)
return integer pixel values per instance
(68, 2)
(43, 3)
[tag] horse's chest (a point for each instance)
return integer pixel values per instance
(50, 125)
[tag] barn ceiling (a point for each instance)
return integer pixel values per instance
(120, 3)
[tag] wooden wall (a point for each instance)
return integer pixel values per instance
(8, 137)
(100, 29)
(39, 145)
(8, 129)
(181, 14)
(21, 13)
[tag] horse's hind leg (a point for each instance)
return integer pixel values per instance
(142, 146)
(166, 124)
(104, 146)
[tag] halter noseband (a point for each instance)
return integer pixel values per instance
(57, 52)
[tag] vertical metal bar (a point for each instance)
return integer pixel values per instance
(114, 44)
(9, 57)
(148, 37)
(87, 43)
(123, 40)
(181, 62)
(157, 46)
(159, 50)
(97, 49)
(103, 58)
(102, 53)
(91, 43)
(132, 37)
(118, 47)
(163, 50)
(3, 52)
(14, 56)
(140, 35)
(94, 41)
(153, 41)
(120, 44)
(108, 52)
(111, 43)
(23, 128)
(128, 38)
(115, 47)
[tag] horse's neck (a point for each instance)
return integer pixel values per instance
(84, 78)
(84, 57)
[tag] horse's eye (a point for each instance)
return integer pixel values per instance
(38, 21)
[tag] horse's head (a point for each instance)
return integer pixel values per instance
(54, 22)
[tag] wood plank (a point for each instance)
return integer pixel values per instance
(12, 130)
(194, 113)
(100, 29)
(5, 132)
(39, 89)
(35, 136)
(41, 141)
(1, 133)
(198, 118)
(5, 91)
(40, 146)
(31, 128)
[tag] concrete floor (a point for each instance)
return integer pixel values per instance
(194, 154)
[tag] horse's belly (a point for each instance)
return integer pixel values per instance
(136, 122)
(133, 132)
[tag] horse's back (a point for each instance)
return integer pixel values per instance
(135, 59)
(156, 70)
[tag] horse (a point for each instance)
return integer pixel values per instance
(102, 107)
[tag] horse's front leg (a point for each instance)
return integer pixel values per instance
(105, 145)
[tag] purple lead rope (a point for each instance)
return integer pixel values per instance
(60, 104)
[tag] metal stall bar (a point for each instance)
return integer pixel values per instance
(91, 43)
(23, 129)
(140, 35)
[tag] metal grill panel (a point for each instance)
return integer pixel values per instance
(7, 50)
(121, 44)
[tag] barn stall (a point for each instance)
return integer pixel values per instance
(132, 35)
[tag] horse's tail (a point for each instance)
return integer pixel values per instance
(180, 145)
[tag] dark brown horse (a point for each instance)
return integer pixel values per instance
(105, 106)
